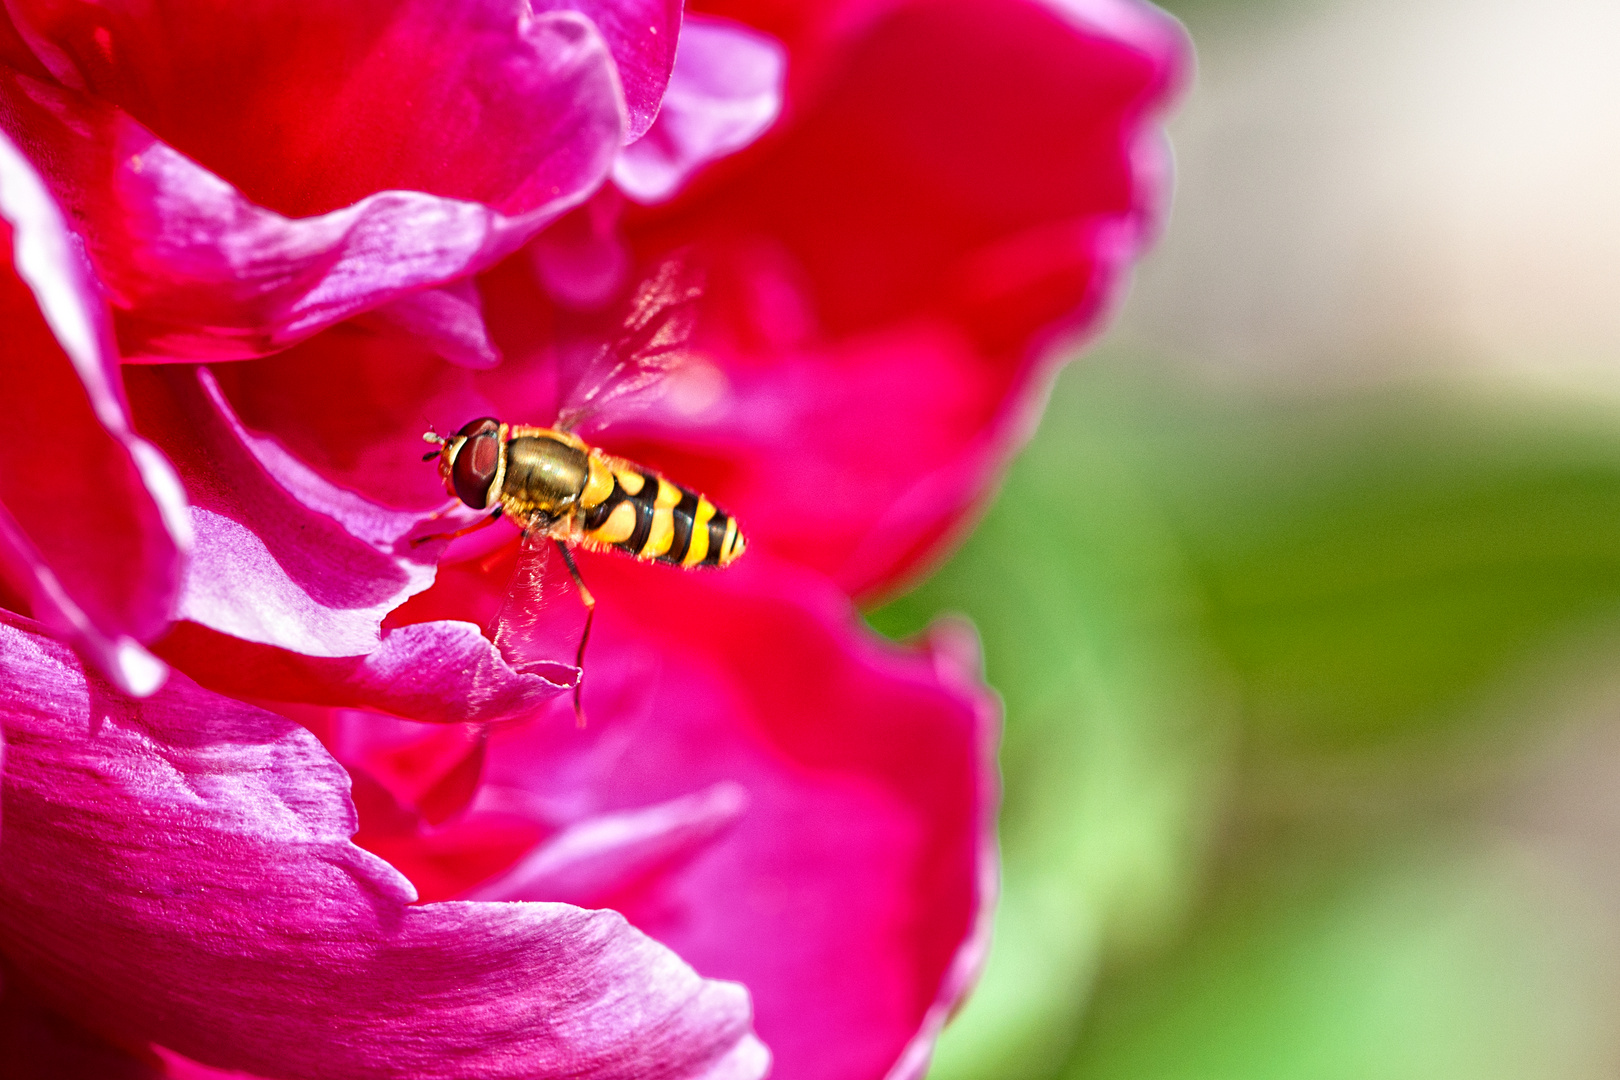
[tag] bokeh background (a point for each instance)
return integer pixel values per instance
(1305, 599)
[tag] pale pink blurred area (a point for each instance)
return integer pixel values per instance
(1410, 209)
(1368, 187)
(1427, 194)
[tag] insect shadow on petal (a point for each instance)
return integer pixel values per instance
(563, 493)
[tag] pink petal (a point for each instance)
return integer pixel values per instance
(292, 576)
(239, 926)
(818, 458)
(956, 190)
(437, 775)
(642, 35)
(378, 392)
(197, 270)
(282, 557)
(449, 319)
(92, 519)
(440, 672)
(612, 852)
(766, 789)
(725, 91)
(581, 260)
(180, 1067)
(307, 107)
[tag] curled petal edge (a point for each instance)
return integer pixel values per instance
(363, 983)
(48, 259)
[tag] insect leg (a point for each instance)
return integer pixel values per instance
(474, 527)
(589, 601)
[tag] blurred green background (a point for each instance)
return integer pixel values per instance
(1305, 600)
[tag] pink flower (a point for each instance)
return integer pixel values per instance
(245, 176)
(775, 832)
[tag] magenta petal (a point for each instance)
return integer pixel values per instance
(363, 431)
(282, 557)
(92, 519)
(179, 1067)
(196, 270)
(307, 107)
(582, 261)
(449, 320)
(240, 926)
(609, 853)
(725, 91)
(777, 796)
(857, 459)
(439, 672)
(642, 35)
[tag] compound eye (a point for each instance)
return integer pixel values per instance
(483, 425)
(474, 468)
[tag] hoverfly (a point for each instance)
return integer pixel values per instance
(564, 493)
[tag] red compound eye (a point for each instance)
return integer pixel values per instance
(474, 465)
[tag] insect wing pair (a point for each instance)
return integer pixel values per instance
(563, 493)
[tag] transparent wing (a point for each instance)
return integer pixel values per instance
(541, 618)
(650, 343)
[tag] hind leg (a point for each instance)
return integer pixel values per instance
(589, 601)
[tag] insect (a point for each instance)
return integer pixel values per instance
(561, 491)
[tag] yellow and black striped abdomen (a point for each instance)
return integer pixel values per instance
(645, 515)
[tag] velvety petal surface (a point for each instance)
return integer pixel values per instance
(644, 36)
(440, 672)
(962, 185)
(93, 525)
(195, 269)
(725, 91)
(180, 870)
(860, 459)
(377, 393)
(282, 557)
(449, 319)
(762, 786)
(305, 108)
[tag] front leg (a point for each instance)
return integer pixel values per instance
(474, 527)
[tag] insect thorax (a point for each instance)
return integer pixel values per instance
(543, 474)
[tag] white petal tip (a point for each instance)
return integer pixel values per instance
(137, 672)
